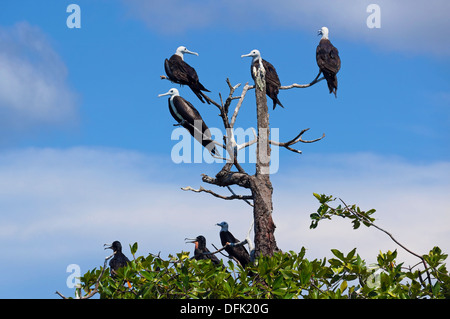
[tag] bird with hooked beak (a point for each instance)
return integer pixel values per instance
(201, 249)
(260, 67)
(328, 60)
(119, 260)
(239, 253)
(178, 71)
(187, 116)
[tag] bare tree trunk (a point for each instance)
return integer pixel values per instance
(261, 186)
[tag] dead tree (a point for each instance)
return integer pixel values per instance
(259, 183)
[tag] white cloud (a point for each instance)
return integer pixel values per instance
(60, 206)
(33, 86)
(408, 26)
(410, 200)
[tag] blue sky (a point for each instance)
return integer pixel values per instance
(85, 146)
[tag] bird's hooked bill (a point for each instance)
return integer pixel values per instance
(164, 94)
(108, 246)
(190, 52)
(245, 55)
(190, 240)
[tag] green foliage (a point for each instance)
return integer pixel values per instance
(287, 275)
(354, 213)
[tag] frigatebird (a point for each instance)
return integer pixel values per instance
(328, 60)
(119, 260)
(239, 252)
(178, 71)
(200, 249)
(273, 83)
(187, 116)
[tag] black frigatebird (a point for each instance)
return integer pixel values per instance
(119, 260)
(240, 253)
(200, 249)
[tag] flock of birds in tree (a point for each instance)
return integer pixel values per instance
(186, 115)
(237, 252)
(180, 72)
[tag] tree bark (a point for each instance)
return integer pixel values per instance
(260, 185)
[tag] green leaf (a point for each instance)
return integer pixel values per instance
(343, 286)
(147, 275)
(134, 248)
(351, 254)
(277, 283)
(338, 254)
(436, 288)
(356, 224)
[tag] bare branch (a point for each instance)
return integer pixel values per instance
(201, 189)
(230, 96)
(224, 107)
(295, 85)
(239, 104)
(220, 144)
(60, 294)
(301, 86)
(245, 200)
(249, 143)
(226, 245)
(296, 140)
(251, 246)
(221, 251)
(217, 251)
(212, 101)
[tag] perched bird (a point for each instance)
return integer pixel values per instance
(328, 60)
(273, 83)
(238, 252)
(200, 249)
(187, 116)
(182, 73)
(119, 260)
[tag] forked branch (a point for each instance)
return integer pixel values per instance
(234, 196)
(298, 86)
(302, 86)
(296, 140)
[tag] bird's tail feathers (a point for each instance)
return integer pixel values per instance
(211, 147)
(202, 88)
(332, 85)
(201, 96)
(277, 101)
